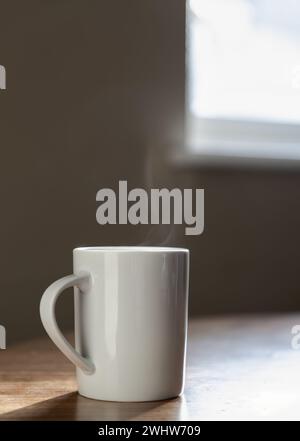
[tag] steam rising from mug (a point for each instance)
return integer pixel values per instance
(157, 207)
(159, 235)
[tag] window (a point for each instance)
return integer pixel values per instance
(243, 78)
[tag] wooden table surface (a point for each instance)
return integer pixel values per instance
(238, 368)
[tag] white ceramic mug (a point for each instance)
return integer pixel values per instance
(130, 321)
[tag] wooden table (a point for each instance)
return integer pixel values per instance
(238, 368)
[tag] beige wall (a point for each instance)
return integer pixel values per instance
(94, 89)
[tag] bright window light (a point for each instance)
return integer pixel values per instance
(243, 61)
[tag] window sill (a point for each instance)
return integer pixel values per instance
(243, 155)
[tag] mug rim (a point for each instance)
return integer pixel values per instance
(130, 249)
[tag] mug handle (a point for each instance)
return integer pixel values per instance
(47, 313)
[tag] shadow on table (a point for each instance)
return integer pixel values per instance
(72, 406)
